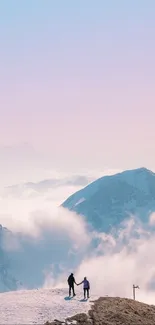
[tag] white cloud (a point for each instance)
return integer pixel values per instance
(49, 235)
(117, 264)
(123, 265)
(32, 216)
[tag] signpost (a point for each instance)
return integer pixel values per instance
(134, 293)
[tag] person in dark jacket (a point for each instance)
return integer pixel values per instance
(86, 287)
(71, 281)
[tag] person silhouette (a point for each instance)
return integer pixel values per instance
(71, 281)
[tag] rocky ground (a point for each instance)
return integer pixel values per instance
(114, 311)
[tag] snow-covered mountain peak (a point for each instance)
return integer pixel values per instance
(109, 200)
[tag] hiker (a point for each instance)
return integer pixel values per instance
(71, 281)
(86, 287)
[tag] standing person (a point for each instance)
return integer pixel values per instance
(86, 287)
(71, 281)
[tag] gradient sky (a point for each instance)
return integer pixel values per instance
(77, 80)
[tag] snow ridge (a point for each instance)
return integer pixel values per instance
(40, 306)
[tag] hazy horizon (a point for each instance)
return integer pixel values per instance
(21, 163)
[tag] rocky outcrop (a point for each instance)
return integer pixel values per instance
(112, 311)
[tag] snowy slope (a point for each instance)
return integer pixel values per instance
(39, 306)
(105, 203)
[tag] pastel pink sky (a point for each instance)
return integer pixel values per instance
(77, 81)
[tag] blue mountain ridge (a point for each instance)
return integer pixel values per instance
(108, 201)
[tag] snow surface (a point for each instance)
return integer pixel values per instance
(39, 306)
(80, 201)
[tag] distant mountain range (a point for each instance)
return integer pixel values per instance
(45, 185)
(106, 202)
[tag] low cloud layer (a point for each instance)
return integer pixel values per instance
(125, 261)
(118, 263)
(48, 243)
(43, 236)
